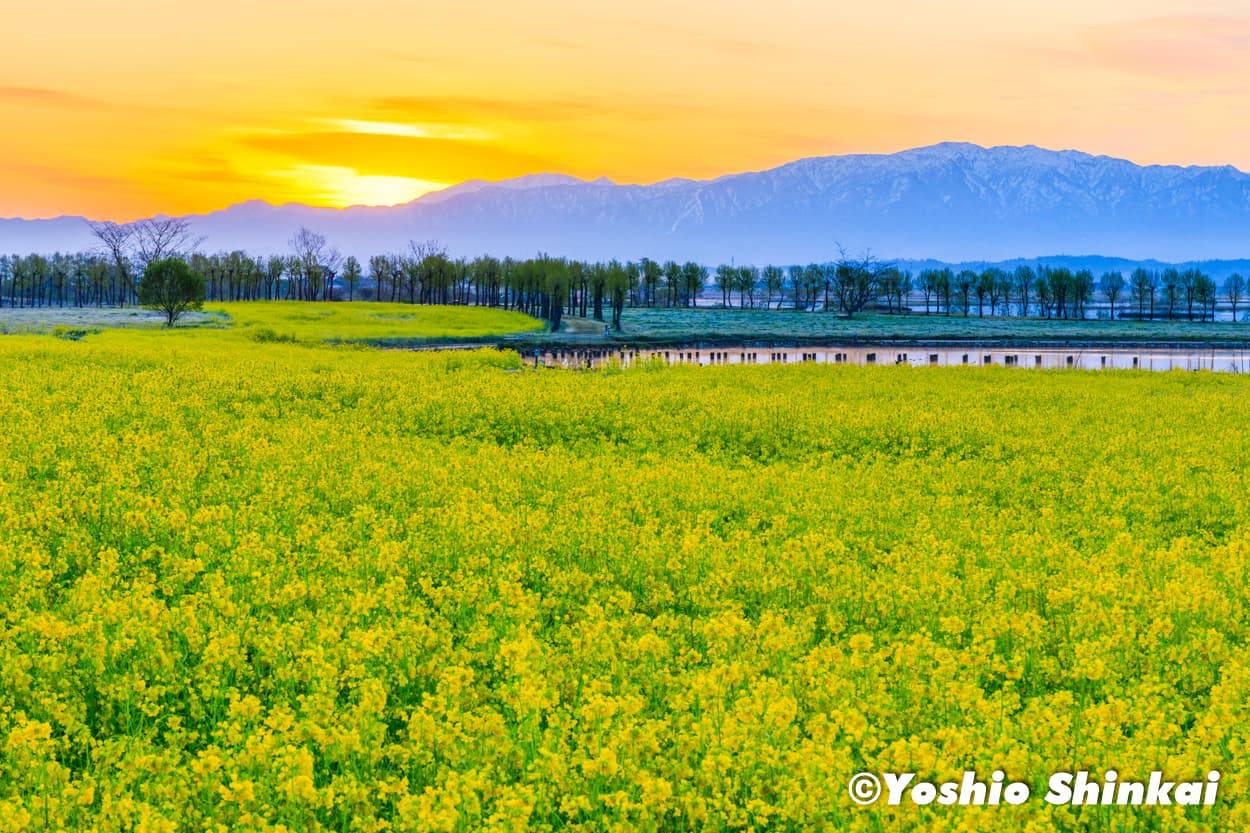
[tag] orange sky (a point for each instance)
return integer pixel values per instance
(126, 109)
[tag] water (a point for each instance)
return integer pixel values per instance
(1218, 359)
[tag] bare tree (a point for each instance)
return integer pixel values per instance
(311, 253)
(157, 238)
(855, 280)
(425, 276)
(331, 265)
(115, 241)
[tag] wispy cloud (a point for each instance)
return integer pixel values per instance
(723, 40)
(1184, 47)
(374, 154)
(64, 177)
(451, 109)
(412, 131)
(52, 98)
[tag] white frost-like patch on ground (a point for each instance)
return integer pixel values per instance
(44, 319)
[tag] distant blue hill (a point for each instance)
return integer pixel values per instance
(1094, 263)
(950, 202)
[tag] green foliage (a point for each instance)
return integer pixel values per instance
(171, 287)
(268, 335)
(73, 333)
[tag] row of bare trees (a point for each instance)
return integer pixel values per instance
(130, 247)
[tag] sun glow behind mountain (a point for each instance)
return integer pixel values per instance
(146, 107)
(338, 187)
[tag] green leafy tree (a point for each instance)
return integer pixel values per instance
(748, 282)
(993, 285)
(1142, 287)
(945, 286)
(774, 282)
(694, 277)
(1170, 283)
(984, 288)
(1025, 279)
(351, 275)
(672, 282)
(964, 283)
(814, 280)
(726, 280)
(1082, 291)
(652, 272)
(619, 280)
(795, 276)
(928, 284)
(1205, 294)
(1234, 291)
(1111, 284)
(169, 285)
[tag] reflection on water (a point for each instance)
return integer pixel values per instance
(1219, 359)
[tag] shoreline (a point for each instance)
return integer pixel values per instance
(547, 345)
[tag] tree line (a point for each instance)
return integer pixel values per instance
(1062, 293)
(313, 270)
(552, 287)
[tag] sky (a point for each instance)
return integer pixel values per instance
(133, 108)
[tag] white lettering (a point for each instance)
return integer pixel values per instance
(895, 784)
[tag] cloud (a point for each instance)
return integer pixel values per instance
(432, 160)
(47, 97)
(216, 171)
(1185, 47)
(413, 131)
(689, 35)
(461, 109)
(74, 179)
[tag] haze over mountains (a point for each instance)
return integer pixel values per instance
(950, 202)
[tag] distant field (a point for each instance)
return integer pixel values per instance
(374, 322)
(660, 325)
(290, 321)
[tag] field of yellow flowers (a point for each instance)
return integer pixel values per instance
(382, 322)
(266, 586)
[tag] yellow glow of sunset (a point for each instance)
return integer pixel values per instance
(343, 187)
(137, 107)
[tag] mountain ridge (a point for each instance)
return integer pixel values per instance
(953, 201)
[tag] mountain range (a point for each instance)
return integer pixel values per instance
(949, 202)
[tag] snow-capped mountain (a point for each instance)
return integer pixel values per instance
(950, 202)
